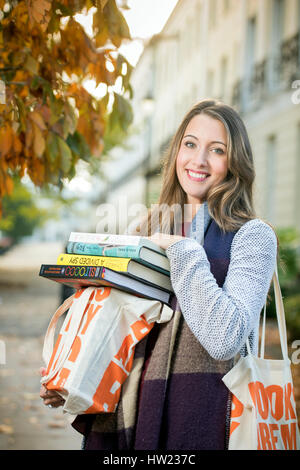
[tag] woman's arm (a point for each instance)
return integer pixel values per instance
(222, 318)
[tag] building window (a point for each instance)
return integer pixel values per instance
(223, 77)
(210, 84)
(277, 33)
(250, 54)
(271, 178)
(236, 60)
(198, 25)
(212, 13)
(250, 45)
(278, 22)
(226, 6)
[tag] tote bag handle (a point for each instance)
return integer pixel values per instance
(280, 315)
(280, 320)
(77, 310)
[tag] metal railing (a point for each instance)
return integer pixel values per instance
(273, 74)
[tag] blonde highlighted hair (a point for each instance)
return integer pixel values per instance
(230, 203)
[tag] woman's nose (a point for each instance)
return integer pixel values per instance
(201, 157)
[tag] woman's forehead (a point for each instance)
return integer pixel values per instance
(203, 126)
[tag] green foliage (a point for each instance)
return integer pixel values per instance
(289, 278)
(20, 213)
(289, 242)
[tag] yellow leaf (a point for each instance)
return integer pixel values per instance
(31, 65)
(38, 120)
(116, 23)
(65, 156)
(38, 141)
(103, 3)
(39, 12)
(28, 135)
(36, 171)
(6, 140)
(17, 144)
(24, 92)
(9, 184)
(100, 28)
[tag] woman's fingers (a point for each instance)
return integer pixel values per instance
(50, 397)
(44, 393)
(55, 402)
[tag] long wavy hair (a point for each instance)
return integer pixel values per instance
(230, 203)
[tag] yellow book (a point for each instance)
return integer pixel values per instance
(117, 264)
(124, 265)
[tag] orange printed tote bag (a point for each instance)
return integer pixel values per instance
(94, 350)
(263, 414)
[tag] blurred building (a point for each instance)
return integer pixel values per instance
(244, 52)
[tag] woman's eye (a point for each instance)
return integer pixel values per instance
(219, 151)
(189, 144)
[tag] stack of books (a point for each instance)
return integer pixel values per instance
(128, 262)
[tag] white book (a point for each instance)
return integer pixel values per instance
(114, 240)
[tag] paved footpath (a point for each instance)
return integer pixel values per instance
(27, 303)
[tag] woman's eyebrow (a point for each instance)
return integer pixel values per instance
(212, 142)
(190, 135)
(218, 142)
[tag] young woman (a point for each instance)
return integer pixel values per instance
(222, 258)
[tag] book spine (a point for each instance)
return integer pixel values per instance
(104, 239)
(132, 252)
(117, 264)
(93, 249)
(123, 251)
(78, 276)
(74, 272)
(79, 248)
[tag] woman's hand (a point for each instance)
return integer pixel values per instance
(50, 397)
(165, 240)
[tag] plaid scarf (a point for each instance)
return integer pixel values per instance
(183, 403)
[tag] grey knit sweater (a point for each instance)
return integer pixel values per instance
(223, 318)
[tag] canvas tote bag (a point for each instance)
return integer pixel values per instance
(263, 413)
(94, 350)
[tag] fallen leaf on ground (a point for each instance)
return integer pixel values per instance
(56, 424)
(31, 407)
(33, 420)
(6, 429)
(7, 372)
(30, 396)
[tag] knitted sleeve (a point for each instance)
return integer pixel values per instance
(223, 318)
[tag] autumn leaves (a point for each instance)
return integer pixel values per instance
(49, 120)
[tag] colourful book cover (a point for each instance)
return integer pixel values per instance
(140, 254)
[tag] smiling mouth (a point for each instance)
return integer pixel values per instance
(197, 176)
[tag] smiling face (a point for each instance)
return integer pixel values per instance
(202, 159)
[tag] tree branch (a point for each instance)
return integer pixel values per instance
(9, 69)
